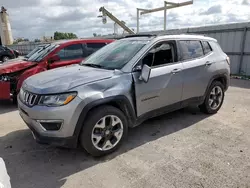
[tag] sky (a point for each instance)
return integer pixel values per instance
(36, 18)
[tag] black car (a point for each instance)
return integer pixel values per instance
(6, 53)
(17, 53)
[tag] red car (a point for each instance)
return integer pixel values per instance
(50, 56)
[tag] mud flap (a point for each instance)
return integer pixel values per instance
(4, 90)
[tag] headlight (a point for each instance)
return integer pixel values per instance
(57, 100)
(21, 94)
(4, 78)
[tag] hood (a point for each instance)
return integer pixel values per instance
(65, 78)
(15, 65)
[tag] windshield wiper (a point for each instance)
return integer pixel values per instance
(93, 65)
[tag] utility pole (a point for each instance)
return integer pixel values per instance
(165, 15)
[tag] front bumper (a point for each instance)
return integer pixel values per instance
(70, 142)
(68, 114)
(5, 90)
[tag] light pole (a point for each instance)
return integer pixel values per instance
(167, 5)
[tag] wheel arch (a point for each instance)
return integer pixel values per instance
(221, 78)
(121, 102)
(2, 56)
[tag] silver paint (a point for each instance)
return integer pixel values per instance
(166, 86)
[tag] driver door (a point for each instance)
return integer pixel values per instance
(72, 54)
(164, 87)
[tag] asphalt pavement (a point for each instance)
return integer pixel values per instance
(182, 149)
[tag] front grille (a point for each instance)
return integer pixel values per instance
(28, 98)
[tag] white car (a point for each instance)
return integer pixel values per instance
(4, 177)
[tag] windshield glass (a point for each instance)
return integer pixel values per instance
(41, 53)
(115, 55)
(34, 51)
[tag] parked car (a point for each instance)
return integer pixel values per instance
(17, 53)
(122, 85)
(6, 54)
(50, 56)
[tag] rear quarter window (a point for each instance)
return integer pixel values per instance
(206, 47)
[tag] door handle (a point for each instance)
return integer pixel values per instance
(208, 63)
(176, 71)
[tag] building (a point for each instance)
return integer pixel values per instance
(5, 28)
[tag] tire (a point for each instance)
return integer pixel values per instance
(5, 58)
(208, 107)
(100, 117)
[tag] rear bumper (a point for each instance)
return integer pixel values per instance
(5, 90)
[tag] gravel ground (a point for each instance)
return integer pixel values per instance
(181, 149)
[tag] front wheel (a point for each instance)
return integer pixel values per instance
(104, 130)
(5, 58)
(214, 98)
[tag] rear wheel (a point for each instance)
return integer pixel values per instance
(214, 98)
(104, 130)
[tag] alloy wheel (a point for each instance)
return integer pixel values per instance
(5, 59)
(107, 132)
(215, 97)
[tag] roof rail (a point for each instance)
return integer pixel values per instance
(198, 34)
(140, 35)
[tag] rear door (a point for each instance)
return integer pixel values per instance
(72, 54)
(164, 87)
(195, 68)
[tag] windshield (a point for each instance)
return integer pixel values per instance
(115, 55)
(41, 53)
(34, 51)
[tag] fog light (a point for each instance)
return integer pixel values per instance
(50, 125)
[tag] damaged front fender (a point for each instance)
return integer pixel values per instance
(4, 90)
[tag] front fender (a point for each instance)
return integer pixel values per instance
(26, 74)
(125, 104)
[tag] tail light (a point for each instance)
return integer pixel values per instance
(228, 60)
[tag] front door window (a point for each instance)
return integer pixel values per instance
(71, 52)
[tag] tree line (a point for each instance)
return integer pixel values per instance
(61, 35)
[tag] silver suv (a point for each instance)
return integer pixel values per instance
(120, 86)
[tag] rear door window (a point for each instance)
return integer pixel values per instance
(71, 52)
(95, 45)
(190, 49)
(90, 48)
(206, 47)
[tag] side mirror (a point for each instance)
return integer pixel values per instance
(54, 58)
(145, 73)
